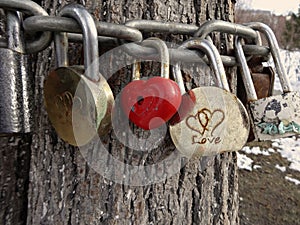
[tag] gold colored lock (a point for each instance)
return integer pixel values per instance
(78, 99)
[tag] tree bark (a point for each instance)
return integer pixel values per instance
(57, 184)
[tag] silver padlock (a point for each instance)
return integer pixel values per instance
(17, 99)
(211, 119)
(275, 116)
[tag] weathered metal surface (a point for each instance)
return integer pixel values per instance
(16, 102)
(16, 97)
(276, 116)
(78, 99)
(218, 121)
(75, 105)
(215, 124)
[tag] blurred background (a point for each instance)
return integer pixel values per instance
(269, 184)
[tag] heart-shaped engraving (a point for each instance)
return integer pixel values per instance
(217, 118)
(200, 121)
(205, 120)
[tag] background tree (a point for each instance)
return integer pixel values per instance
(46, 181)
(292, 32)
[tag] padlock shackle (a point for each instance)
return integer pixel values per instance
(90, 39)
(178, 77)
(163, 51)
(214, 58)
(30, 8)
(274, 48)
(61, 49)
(245, 71)
(13, 30)
(224, 27)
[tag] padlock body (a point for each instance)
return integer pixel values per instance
(217, 122)
(79, 109)
(17, 99)
(150, 103)
(276, 116)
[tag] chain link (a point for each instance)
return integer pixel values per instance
(58, 24)
(163, 27)
(30, 8)
(39, 22)
(225, 27)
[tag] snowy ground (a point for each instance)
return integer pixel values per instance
(289, 148)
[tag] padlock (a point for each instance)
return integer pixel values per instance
(263, 78)
(16, 82)
(78, 99)
(275, 116)
(262, 75)
(218, 121)
(151, 103)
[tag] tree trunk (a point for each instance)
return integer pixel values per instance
(46, 181)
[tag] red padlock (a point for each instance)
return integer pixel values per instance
(151, 103)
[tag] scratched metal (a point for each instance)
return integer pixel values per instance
(217, 123)
(275, 109)
(16, 101)
(77, 98)
(76, 106)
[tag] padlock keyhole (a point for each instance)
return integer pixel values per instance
(140, 100)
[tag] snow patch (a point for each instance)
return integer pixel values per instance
(289, 148)
(297, 182)
(244, 162)
(255, 151)
(281, 168)
(255, 167)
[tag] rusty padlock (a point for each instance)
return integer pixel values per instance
(78, 99)
(16, 82)
(263, 79)
(263, 76)
(275, 116)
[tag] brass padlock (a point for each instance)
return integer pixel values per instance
(274, 116)
(78, 99)
(216, 121)
(16, 82)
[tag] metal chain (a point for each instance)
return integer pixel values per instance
(30, 8)
(132, 31)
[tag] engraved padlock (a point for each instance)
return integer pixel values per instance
(275, 116)
(16, 82)
(215, 121)
(151, 103)
(78, 99)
